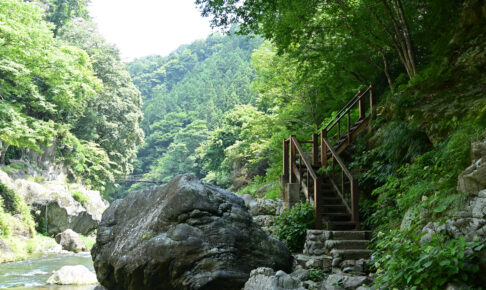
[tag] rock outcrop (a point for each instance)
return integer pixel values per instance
(72, 275)
(53, 204)
(266, 279)
(473, 179)
(70, 241)
(263, 211)
(470, 220)
(6, 253)
(186, 234)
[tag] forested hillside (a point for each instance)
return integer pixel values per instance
(62, 85)
(186, 95)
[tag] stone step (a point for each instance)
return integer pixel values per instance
(351, 254)
(347, 244)
(350, 235)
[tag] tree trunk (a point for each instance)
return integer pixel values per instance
(387, 72)
(3, 152)
(402, 36)
(406, 33)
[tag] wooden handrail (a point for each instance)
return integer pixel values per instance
(338, 159)
(346, 108)
(303, 174)
(306, 162)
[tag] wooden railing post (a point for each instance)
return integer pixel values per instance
(285, 158)
(317, 190)
(355, 202)
(315, 150)
(292, 176)
(372, 100)
(323, 149)
(362, 107)
(349, 129)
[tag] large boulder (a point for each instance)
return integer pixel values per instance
(186, 234)
(70, 241)
(72, 275)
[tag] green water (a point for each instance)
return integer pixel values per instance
(33, 273)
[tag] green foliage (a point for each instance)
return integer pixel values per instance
(185, 97)
(37, 178)
(404, 262)
(427, 184)
(81, 198)
(111, 118)
(88, 241)
(292, 225)
(316, 275)
(14, 212)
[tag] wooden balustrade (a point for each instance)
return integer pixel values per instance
(326, 156)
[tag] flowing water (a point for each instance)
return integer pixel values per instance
(33, 274)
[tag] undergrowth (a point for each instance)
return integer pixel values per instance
(292, 225)
(404, 261)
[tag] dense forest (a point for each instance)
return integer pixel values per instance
(186, 95)
(62, 84)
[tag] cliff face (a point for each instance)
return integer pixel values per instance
(55, 203)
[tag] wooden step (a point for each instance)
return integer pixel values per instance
(340, 225)
(333, 207)
(350, 235)
(331, 200)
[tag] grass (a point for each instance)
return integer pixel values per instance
(36, 178)
(24, 248)
(81, 198)
(88, 241)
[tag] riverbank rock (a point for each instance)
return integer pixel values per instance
(6, 253)
(53, 202)
(266, 279)
(186, 234)
(73, 275)
(70, 241)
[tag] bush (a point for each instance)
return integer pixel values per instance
(316, 275)
(81, 198)
(403, 262)
(292, 225)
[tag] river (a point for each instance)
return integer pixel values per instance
(33, 273)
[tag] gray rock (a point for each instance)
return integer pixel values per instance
(457, 286)
(6, 253)
(266, 279)
(311, 285)
(473, 179)
(52, 203)
(300, 274)
(186, 234)
(72, 275)
(70, 241)
(265, 207)
(346, 281)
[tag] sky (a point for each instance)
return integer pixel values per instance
(146, 27)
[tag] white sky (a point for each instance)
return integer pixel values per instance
(145, 27)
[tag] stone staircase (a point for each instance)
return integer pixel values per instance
(336, 251)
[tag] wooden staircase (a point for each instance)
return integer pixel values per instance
(333, 193)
